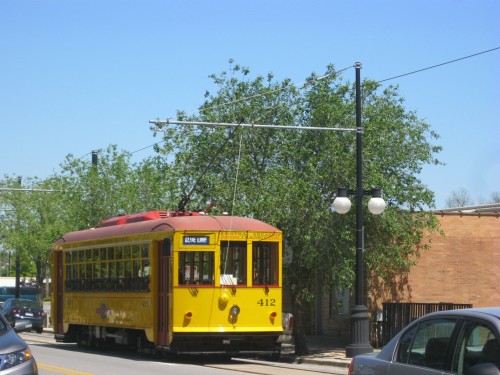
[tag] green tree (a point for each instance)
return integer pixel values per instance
(115, 185)
(77, 198)
(29, 224)
(288, 178)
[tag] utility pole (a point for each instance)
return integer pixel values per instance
(18, 259)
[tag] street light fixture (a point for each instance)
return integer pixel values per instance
(360, 317)
(342, 204)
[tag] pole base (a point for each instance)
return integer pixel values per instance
(360, 332)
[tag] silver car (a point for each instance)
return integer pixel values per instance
(446, 342)
(15, 355)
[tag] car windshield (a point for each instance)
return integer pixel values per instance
(25, 304)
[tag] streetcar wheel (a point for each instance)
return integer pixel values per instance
(82, 338)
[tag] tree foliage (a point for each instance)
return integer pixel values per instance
(28, 226)
(288, 178)
(113, 186)
(76, 198)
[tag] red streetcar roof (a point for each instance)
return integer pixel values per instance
(146, 223)
(144, 216)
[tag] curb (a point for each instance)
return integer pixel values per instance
(324, 362)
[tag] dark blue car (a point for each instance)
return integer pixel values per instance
(24, 314)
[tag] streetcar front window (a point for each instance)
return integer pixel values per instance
(233, 262)
(196, 267)
(265, 263)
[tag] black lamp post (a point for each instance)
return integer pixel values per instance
(360, 317)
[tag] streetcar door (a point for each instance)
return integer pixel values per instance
(163, 290)
(59, 292)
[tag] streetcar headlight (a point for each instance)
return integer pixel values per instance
(235, 310)
(14, 359)
(224, 298)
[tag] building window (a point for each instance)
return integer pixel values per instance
(339, 301)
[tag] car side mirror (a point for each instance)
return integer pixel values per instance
(483, 369)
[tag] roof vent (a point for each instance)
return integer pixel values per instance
(134, 218)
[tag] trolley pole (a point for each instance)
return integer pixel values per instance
(18, 259)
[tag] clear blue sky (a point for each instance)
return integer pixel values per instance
(78, 75)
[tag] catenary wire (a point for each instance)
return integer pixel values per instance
(438, 65)
(305, 84)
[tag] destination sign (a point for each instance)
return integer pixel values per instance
(196, 240)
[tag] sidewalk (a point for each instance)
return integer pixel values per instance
(323, 351)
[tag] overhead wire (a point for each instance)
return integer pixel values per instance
(304, 85)
(438, 65)
(309, 82)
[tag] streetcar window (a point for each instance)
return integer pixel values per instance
(127, 254)
(69, 277)
(234, 261)
(111, 253)
(96, 277)
(136, 252)
(128, 275)
(112, 276)
(165, 247)
(74, 274)
(119, 252)
(196, 267)
(103, 254)
(120, 285)
(265, 263)
(125, 268)
(144, 251)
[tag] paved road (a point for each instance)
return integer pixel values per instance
(83, 362)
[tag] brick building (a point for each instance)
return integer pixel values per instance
(461, 267)
(464, 265)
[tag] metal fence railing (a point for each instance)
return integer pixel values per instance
(398, 315)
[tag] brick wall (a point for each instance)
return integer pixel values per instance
(463, 266)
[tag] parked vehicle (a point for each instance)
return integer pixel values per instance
(15, 355)
(24, 314)
(446, 342)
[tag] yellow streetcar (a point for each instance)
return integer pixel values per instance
(170, 281)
